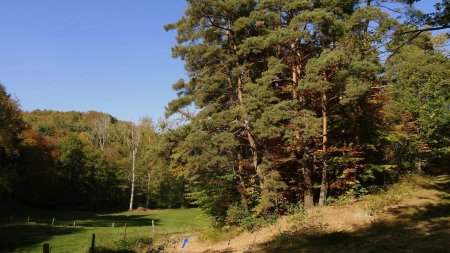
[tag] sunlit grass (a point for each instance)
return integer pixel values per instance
(23, 236)
(395, 193)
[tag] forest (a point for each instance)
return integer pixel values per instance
(84, 161)
(287, 105)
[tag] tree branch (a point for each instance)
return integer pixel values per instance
(185, 114)
(403, 44)
(428, 29)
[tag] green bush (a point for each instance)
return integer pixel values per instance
(294, 208)
(218, 234)
(236, 215)
(251, 223)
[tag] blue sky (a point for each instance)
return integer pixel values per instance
(106, 55)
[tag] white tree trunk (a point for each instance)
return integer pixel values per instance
(133, 174)
(100, 131)
(147, 201)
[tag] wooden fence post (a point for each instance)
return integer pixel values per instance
(93, 244)
(46, 248)
(112, 224)
(74, 224)
(28, 219)
(153, 226)
(53, 221)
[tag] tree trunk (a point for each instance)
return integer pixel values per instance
(308, 170)
(251, 139)
(133, 172)
(181, 193)
(242, 187)
(147, 201)
(254, 149)
(324, 185)
(295, 81)
(419, 165)
(308, 196)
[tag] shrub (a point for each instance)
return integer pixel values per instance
(295, 208)
(251, 223)
(238, 217)
(236, 214)
(217, 234)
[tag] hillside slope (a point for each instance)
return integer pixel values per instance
(413, 217)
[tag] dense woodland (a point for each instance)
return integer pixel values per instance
(84, 160)
(288, 104)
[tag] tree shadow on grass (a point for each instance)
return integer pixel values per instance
(17, 236)
(20, 234)
(414, 229)
(119, 221)
(18, 213)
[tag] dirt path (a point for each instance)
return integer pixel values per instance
(420, 223)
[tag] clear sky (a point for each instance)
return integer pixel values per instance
(105, 55)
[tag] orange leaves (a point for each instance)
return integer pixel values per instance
(424, 148)
(32, 138)
(348, 172)
(348, 178)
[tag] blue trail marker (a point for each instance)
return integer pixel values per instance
(184, 242)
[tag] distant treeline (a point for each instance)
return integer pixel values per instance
(82, 160)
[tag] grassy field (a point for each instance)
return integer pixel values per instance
(23, 236)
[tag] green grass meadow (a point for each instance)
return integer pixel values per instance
(23, 236)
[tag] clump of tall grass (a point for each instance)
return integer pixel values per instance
(395, 193)
(218, 234)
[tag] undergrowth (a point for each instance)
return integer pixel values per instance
(395, 193)
(310, 221)
(218, 234)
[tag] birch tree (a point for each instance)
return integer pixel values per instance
(101, 130)
(131, 136)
